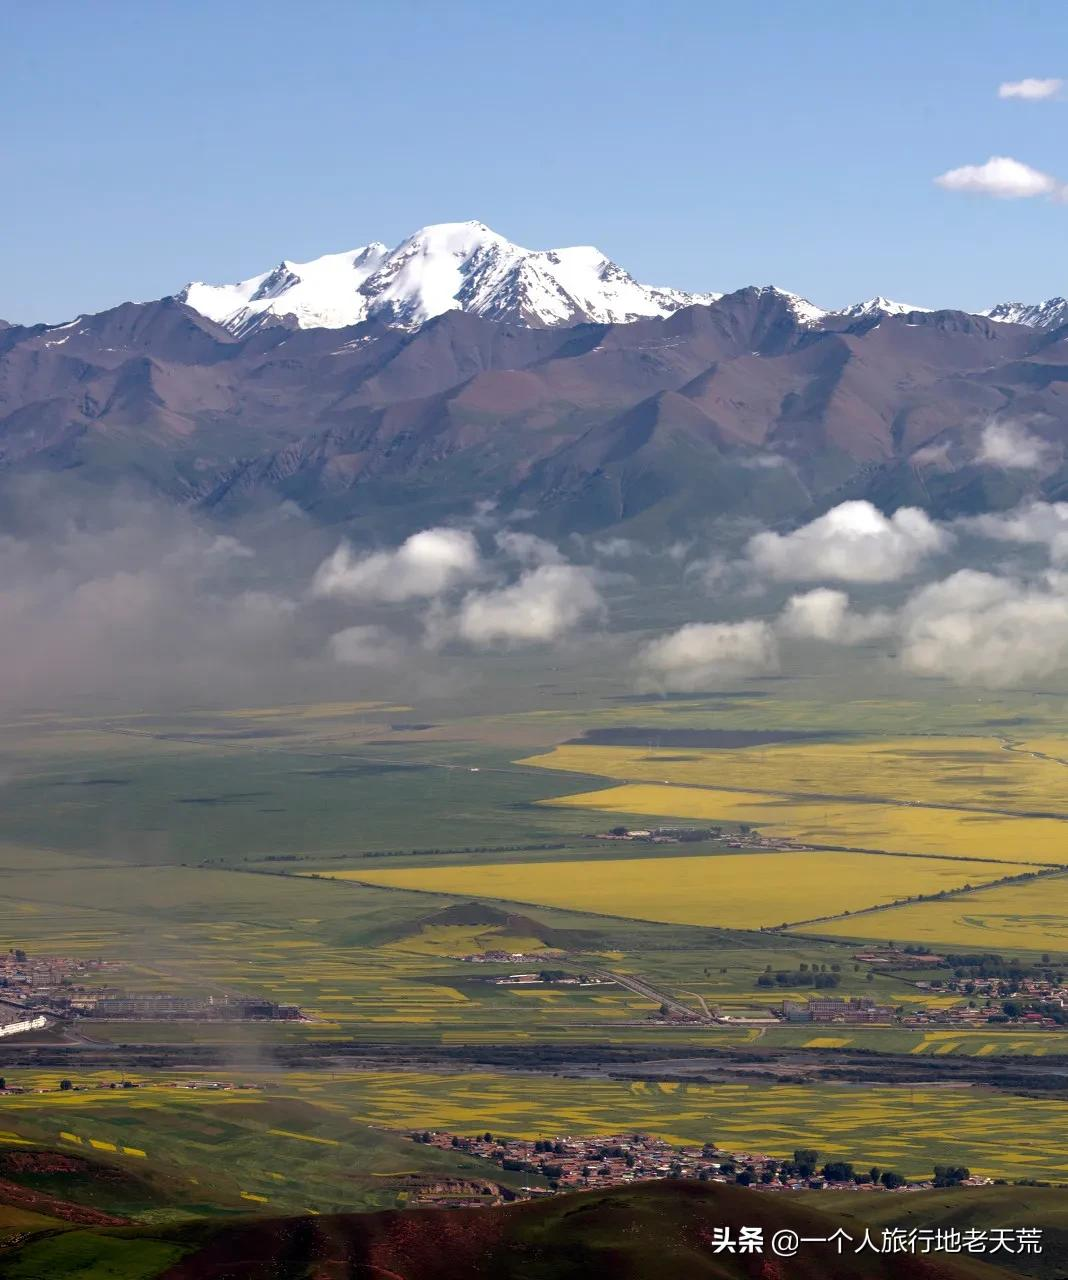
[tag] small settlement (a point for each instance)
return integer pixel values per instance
(570, 1163)
(38, 991)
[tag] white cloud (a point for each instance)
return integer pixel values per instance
(1034, 522)
(1031, 89)
(763, 461)
(932, 455)
(528, 548)
(544, 604)
(366, 646)
(824, 614)
(616, 548)
(978, 628)
(853, 542)
(1037, 522)
(1007, 444)
(1001, 177)
(703, 652)
(426, 565)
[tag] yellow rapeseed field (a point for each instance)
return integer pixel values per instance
(1006, 918)
(984, 772)
(902, 828)
(907, 1129)
(744, 891)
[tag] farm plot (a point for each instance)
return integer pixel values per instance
(1005, 918)
(978, 772)
(910, 1129)
(893, 828)
(744, 891)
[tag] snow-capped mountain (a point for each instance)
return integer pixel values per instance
(451, 266)
(878, 306)
(321, 294)
(1039, 315)
(465, 266)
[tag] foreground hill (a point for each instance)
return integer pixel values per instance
(740, 407)
(960, 1208)
(661, 1231)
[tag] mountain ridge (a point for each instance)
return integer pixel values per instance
(738, 409)
(446, 266)
(469, 267)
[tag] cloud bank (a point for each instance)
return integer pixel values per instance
(979, 628)
(132, 603)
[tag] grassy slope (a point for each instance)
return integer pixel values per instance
(656, 1232)
(983, 1207)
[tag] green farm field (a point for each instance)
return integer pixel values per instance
(291, 1143)
(910, 1127)
(288, 1146)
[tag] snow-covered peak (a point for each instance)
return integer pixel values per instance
(878, 306)
(318, 294)
(449, 266)
(1039, 315)
(803, 311)
(806, 312)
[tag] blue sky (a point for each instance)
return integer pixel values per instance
(701, 144)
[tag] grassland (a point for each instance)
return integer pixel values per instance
(107, 1256)
(746, 891)
(290, 1147)
(229, 790)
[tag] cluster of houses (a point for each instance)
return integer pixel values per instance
(729, 837)
(27, 979)
(36, 990)
(571, 1163)
(550, 978)
(119, 1006)
(509, 957)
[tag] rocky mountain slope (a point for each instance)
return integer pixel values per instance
(741, 407)
(1039, 315)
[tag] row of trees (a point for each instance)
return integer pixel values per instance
(799, 978)
(806, 1164)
